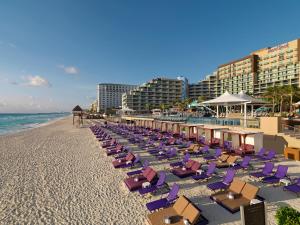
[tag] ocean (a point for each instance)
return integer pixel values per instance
(15, 122)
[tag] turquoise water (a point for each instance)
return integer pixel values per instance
(11, 123)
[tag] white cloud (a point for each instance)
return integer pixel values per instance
(69, 69)
(36, 81)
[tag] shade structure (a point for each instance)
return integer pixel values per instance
(226, 99)
(250, 99)
(297, 103)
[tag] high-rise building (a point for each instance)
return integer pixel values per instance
(155, 93)
(207, 88)
(109, 95)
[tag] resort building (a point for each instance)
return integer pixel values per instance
(155, 93)
(261, 69)
(208, 88)
(109, 96)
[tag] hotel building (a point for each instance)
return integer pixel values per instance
(109, 96)
(155, 93)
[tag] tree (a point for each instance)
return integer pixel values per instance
(148, 106)
(272, 93)
(293, 91)
(201, 99)
(283, 92)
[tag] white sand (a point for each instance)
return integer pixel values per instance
(57, 174)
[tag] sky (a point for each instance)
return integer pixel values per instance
(53, 53)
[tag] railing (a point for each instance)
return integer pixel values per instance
(290, 130)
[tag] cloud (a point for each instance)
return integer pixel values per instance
(69, 69)
(36, 81)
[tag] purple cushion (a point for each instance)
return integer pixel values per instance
(135, 185)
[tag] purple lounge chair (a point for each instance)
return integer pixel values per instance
(260, 153)
(223, 184)
(271, 155)
(136, 182)
(218, 152)
(181, 163)
(266, 171)
(132, 163)
(136, 172)
(295, 187)
(280, 174)
(203, 150)
(118, 163)
(171, 153)
(189, 169)
(152, 188)
(244, 164)
(208, 174)
(164, 202)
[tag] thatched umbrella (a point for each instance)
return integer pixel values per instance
(78, 111)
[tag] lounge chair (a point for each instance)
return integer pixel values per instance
(245, 149)
(260, 153)
(280, 173)
(171, 153)
(229, 162)
(266, 171)
(242, 193)
(119, 149)
(134, 183)
(206, 175)
(190, 148)
(270, 156)
(164, 202)
(189, 169)
(182, 209)
(217, 154)
(243, 165)
(224, 183)
(161, 183)
(295, 187)
(181, 163)
(136, 172)
(122, 162)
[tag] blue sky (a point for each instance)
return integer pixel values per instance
(53, 53)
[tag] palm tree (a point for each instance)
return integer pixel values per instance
(201, 99)
(293, 91)
(283, 92)
(272, 93)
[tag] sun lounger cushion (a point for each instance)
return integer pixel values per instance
(146, 171)
(189, 164)
(195, 166)
(134, 185)
(191, 213)
(249, 191)
(223, 158)
(237, 186)
(151, 175)
(180, 204)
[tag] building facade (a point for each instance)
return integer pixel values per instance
(155, 93)
(109, 96)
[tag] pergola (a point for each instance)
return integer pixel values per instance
(191, 130)
(210, 132)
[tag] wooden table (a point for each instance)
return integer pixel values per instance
(292, 153)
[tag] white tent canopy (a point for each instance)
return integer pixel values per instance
(226, 99)
(250, 99)
(297, 103)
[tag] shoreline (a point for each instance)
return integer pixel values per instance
(34, 127)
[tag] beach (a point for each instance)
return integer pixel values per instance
(57, 174)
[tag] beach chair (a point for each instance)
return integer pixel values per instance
(229, 161)
(168, 154)
(122, 162)
(206, 175)
(295, 187)
(161, 183)
(242, 193)
(164, 202)
(189, 169)
(243, 165)
(221, 185)
(217, 154)
(181, 163)
(266, 171)
(134, 183)
(280, 173)
(183, 209)
(270, 156)
(136, 172)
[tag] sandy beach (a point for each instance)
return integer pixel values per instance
(57, 174)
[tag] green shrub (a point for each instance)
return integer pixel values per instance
(287, 216)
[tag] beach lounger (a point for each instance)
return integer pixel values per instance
(260, 153)
(217, 154)
(164, 202)
(183, 209)
(245, 149)
(243, 165)
(206, 175)
(280, 173)
(189, 169)
(134, 183)
(121, 162)
(229, 161)
(114, 151)
(295, 187)
(270, 156)
(136, 172)
(168, 154)
(241, 192)
(221, 185)
(181, 163)
(266, 171)
(161, 183)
